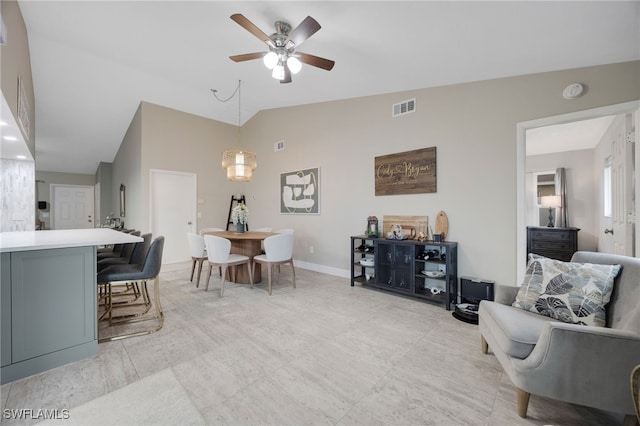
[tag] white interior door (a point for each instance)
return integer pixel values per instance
(173, 208)
(73, 207)
(622, 187)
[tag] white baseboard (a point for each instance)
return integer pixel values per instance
(344, 273)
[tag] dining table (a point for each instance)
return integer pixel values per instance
(249, 244)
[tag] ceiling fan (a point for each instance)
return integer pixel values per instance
(282, 57)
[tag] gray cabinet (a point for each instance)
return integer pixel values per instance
(5, 309)
(51, 317)
(394, 265)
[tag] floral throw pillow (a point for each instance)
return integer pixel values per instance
(567, 291)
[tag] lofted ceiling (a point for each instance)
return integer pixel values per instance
(93, 62)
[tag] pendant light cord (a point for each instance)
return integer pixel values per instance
(239, 92)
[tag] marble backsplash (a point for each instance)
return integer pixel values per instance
(17, 185)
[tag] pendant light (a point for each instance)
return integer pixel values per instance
(238, 163)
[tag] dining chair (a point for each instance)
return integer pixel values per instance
(138, 275)
(198, 252)
(205, 230)
(278, 250)
(219, 254)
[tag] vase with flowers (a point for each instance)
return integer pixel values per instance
(239, 217)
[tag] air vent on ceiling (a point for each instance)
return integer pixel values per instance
(278, 146)
(404, 107)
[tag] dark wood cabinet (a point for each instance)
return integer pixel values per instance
(555, 243)
(427, 270)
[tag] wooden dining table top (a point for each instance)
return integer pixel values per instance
(249, 235)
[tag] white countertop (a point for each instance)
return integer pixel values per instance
(52, 239)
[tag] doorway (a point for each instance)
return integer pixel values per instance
(73, 206)
(172, 211)
(522, 196)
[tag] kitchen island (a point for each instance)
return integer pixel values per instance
(48, 299)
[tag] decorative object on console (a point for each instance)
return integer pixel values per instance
(372, 227)
(238, 163)
(571, 292)
(442, 226)
(411, 172)
(411, 225)
(550, 202)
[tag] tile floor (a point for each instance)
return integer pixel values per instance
(325, 353)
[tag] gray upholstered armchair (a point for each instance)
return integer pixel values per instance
(579, 364)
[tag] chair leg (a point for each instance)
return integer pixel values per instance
(224, 275)
(208, 277)
(522, 399)
(293, 270)
(193, 268)
(484, 345)
(269, 269)
(200, 263)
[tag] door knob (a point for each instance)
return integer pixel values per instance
(608, 231)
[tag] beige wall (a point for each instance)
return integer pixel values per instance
(472, 125)
(177, 141)
(15, 62)
(126, 170)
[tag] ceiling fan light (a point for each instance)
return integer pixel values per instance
(270, 60)
(294, 64)
(278, 72)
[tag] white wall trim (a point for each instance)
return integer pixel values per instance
(344, 273)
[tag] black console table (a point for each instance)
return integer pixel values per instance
(423, 269)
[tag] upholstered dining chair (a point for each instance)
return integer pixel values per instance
(205, 230)
(278, 250)
(198, 252)
(219, 254)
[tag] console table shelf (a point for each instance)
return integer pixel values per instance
(422, 269)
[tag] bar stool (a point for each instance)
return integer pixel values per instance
(134, 274)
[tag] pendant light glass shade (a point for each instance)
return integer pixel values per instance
(239, 164)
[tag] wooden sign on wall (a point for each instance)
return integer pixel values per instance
(411, 172)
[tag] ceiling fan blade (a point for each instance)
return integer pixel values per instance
(250, 26)
(316, 61)
(306, 29)
(247, 56)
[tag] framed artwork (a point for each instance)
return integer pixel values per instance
(300, 192)
(410, 172)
